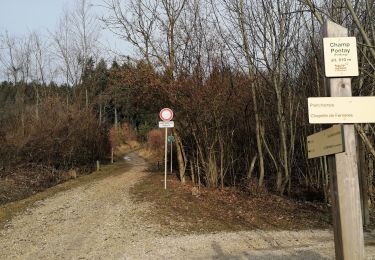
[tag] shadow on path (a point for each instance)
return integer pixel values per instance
(266, 254)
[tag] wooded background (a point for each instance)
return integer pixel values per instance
(237, 74)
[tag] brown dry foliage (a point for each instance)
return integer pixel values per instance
(122, 135)
(213, 210)
(155, 139)
(62, 137)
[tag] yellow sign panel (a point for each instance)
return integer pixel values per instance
(326, 142)
(341, 110)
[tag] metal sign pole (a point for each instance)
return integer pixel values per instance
(171, 154)
(166, 114)
(165, 156)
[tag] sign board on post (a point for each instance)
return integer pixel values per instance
(163, 124)
(170, 138)
(326, 142)
(340, 56)
(166, 114)
(340, 110)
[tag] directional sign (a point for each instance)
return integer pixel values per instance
(166, 114)
(341, 110)
(329, 141)
(163, 124)
(340, 56)
(170, 139)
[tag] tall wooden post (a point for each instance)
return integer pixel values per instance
(346, 206)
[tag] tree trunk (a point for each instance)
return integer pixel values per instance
(87, 98)
(116, 119)
(249, 60)
(370, 179)
(181, 159)
(37, 103)
(258, 136)
(362, 178)
(281, 183)
(222, 153)
(192, 172)
(100, 114)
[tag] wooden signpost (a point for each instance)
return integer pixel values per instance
(166, 114)
(341, 64)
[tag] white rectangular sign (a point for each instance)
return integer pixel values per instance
(163, 124)
(340, 57)
(341, 110)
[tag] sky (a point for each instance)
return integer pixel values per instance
(19, 17)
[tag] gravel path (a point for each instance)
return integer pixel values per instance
(99, 221)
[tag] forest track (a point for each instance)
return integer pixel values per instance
(98, 220)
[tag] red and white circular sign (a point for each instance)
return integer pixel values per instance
(166, 114)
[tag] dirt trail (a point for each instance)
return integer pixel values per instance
(98, 220)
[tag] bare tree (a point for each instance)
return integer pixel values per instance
(40, 53)
(235, 32)
(9, 60)
(150, 26)
(64, 50)
(76, 41)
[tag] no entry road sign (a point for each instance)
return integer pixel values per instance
(166, 114)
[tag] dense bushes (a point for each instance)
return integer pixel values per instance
(121, 135)
(155, 139)
(61, 136)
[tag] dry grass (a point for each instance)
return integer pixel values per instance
(154, 158)
(151, 155)
(224, 210)
(126, 148)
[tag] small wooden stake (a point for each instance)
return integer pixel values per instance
(112, 155)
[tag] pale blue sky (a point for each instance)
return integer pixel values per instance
(19, 17)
